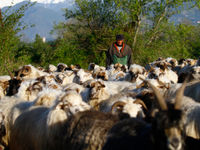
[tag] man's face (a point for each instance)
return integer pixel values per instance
(120, 42)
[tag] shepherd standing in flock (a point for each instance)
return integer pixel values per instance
(119, 52)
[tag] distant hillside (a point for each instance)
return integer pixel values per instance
(192, 16)
(43, 17)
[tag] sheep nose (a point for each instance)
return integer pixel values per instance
(175, 143)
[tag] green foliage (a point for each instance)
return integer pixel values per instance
(91, 28)
(94, 24)
(10, 25)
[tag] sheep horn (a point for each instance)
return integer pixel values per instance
(138, 101)
(26, 70)
(117, 104)
(160, 98)
(11, 75)
(180, 94)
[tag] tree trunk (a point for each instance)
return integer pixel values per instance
(137, 28)
(156, 26)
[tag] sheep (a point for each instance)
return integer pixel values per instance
(165, 132)
(2, 131)
(191, 90)
(51, 68)
(97, 130)
(93, 66)
(35, 131)
(102, 90)
(30, 72)
(61, 67)
(172, 61)
(190, 107)
(100, 73)
(12, 107)
(43, 127)
(74, 99)
(65, 78)
(82, 76)
(135, 73)
(47, 97)
(124, 103)
(73, 67)
(83, 90)
(191, 71)
(29, 89)
(3, 88)
(88, 130)
(164, 75)
(14, 84)
(5, 78)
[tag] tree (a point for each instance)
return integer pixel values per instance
(41, 52)
(10, 24)
(93, 24)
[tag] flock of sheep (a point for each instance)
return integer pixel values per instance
(70, 108)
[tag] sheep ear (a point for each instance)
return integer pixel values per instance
(139, 101)
(159, 97)
(179, 94)
(119, 105)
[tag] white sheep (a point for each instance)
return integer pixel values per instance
(29, 72)
(82, 76)
(47, 97)
(43, 127)
(29, 89)
(124, 103)
(12, 107)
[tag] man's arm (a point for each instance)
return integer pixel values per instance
(130, 61)
(108, 57)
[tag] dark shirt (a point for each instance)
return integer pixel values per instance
(113, 51)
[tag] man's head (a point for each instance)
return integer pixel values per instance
(119, 39)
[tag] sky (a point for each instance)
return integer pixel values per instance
(4, 3)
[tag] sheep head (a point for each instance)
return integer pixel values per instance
(133, 108)
(61, 67)
(102, 75)
(168, 123)
(98, 91)
(14, 84)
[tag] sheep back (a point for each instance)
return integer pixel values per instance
(88, 130)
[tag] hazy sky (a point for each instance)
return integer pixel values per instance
(4, 3)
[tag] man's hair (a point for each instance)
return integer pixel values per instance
(119, 37)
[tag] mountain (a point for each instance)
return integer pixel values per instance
(188, 16)
(42, 16)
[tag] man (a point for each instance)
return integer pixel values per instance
(119, 52)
